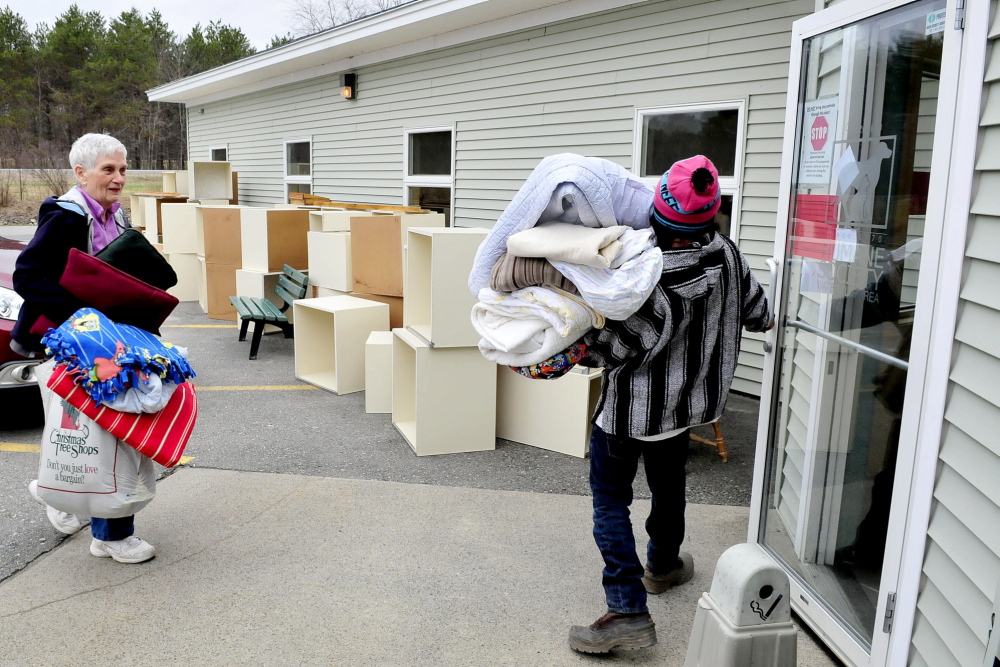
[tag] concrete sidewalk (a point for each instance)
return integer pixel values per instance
(260, 568)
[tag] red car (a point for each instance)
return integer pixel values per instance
(16, 372)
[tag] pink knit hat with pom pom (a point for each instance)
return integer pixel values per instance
(687, 196)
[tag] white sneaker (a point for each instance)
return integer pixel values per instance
(64, 522)
(129, 550)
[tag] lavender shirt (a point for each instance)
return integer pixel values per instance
(105, 228)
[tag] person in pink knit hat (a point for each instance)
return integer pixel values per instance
(667, 368)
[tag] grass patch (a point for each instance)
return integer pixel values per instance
(28, 190)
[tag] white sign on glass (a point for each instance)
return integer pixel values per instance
(819, 125)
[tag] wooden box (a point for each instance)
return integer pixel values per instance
(169, 181)
(323, 220)
(438, 302)
(378, 372)
(151, 214)
(178, 228)
(261, 286)
(273, 237)
(330, 260)
(203, 285)
(526, 409)
(218, 234)
(330, 336)
(210, 180)
(377, 243)
(220, 285)
(395, 304)
(136, 208)
(188, 270)
(443, 399)
(318, 292)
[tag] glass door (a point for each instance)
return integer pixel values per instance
(858, 185)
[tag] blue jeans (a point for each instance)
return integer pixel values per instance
(613, 465)
(111, 530)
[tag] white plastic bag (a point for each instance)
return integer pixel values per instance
(85, 470)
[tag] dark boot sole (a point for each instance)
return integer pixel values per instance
(643, 639)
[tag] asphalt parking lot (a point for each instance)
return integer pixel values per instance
(255, 416)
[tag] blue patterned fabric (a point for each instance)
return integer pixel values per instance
(107, 358)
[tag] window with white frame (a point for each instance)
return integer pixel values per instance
(298, 166)
(429, 179)
(219, 153)
(667, 134)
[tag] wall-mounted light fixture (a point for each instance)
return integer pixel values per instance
(349, 86)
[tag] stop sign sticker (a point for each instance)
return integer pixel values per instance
(817, 141)
(819, 133)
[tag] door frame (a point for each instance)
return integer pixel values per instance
(956, 130)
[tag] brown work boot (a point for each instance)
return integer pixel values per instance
(657, 583)
(611, 631)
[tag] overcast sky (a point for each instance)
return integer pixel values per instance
(259, 20)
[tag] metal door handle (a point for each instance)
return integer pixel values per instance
(772, 267)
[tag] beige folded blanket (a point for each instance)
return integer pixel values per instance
(513, 273)
(566, 242)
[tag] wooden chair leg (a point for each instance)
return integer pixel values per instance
(719, 443)
(243, 330)
(258, 330)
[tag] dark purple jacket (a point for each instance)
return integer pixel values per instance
(62, 225)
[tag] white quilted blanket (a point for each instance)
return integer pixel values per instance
(529, 325)
(566, 188)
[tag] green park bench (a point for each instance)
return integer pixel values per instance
(291, 285)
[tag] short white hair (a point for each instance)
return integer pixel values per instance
(89, 148)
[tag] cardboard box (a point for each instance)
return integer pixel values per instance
(210, 180)
(438, 302)
(272, 238)
(457, 390)
(220, 235)
(395, 304)
(330, 337)
(525, 407)
(330, 260)
(378, 373)
(188, 270)
(178, 228)
(324, 220)
(377, 243)
(221, 284)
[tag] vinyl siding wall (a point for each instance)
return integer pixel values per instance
(572, 86)
(962, 562)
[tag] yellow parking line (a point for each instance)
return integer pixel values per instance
(199, 326)
(18, 447)
(185, 459)
(264, 387)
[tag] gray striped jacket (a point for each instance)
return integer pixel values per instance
(671, 364)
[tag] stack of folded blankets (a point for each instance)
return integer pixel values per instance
(134, 384)
(556, 282)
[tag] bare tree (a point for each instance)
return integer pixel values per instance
(311, 16)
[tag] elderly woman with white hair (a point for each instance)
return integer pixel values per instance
(88, 218)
